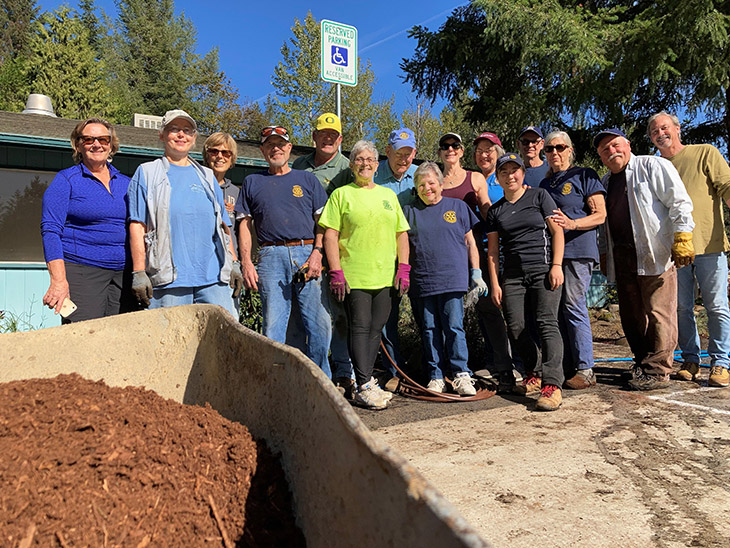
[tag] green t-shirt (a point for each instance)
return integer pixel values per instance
(332, 175)
(368, 220)
(706, 176)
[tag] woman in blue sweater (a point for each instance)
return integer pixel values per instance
(83, 227)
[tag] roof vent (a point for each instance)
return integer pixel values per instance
(39, 104)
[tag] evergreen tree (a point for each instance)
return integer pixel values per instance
(16, 19)
(62, 65)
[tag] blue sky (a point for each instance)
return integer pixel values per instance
(249, 35)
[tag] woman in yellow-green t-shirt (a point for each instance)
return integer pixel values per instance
(366, 244)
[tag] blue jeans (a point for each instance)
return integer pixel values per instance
(528, 294)
(710, 272)
(442, 332)
(277, 265)
(575, 324)
(220, 294)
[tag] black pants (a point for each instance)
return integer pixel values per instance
(531, 293)
(367, 312)
(97, 292)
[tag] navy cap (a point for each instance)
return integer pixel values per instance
(616, 132)
(534, 129)
(507, 158)
(402, 137)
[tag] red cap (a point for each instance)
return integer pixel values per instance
(489, 136)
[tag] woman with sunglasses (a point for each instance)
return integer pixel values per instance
(581, 201)
(468, 186)
(366, 243)
(219, 154)
(179, 228)
(83, 226)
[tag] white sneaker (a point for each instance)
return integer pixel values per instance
(437, 385)
(369, 396)
(387, 396)
(464, 385)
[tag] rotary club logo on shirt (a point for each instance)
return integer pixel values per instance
(387, 206)
(296, 191)
(567, 187)
(450, 217)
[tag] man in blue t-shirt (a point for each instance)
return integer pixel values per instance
(284, 205)
(529, 145)
(396, 173)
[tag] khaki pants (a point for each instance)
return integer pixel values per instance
(648, 309)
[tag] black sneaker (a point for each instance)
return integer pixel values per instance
(645, 381)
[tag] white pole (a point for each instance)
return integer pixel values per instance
(338, 103)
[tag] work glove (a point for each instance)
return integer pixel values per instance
(477, 282)
(403, 278)
(683, 251)
(338, 284)
(236, 281)
(141, 287)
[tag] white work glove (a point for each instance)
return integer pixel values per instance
(477, 282)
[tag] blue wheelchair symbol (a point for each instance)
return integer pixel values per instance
(339, 56)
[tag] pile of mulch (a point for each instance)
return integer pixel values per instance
(83, 464)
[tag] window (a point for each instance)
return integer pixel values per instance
(21, 197)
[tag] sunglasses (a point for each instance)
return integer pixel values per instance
(559, 148)
(104, 140)
(278, 130)
(447, 146)
(528, 142)
(217, 151)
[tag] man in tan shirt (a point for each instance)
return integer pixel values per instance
(706, 176)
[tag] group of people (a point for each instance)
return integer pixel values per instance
(339, 241)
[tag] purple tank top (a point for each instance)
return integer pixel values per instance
(464, 192)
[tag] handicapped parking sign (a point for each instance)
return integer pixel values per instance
(339, 56)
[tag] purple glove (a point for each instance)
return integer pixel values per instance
(403, 278)
(338, 284)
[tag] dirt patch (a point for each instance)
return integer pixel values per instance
(83, 464)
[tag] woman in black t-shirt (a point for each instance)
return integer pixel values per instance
(532, 244)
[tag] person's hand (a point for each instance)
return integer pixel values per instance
(250, 276)
(403, 278)
(555, 276)
(236, 282)
(497, 295)
(563, 221)
(315, 265)
(338, 284)
(141, 287)
(683, 250)
(57, 293)
(477, 282)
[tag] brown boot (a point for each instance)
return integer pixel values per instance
(690, 371)
(550, 398)
(585, 378)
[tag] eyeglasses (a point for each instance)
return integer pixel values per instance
(278, 130)
(104, 140)
(528, 142)
(217, 151)
(447, 146)
(559, 148)
(186, 130)
(363, 161)
(485, 151)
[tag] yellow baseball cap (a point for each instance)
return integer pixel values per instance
(328, 121)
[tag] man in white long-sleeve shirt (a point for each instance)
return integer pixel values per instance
(650, 226)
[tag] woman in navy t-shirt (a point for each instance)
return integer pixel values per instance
(581, 202)
(532, 245)
(442, 248)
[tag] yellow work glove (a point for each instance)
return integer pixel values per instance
(683, 252)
